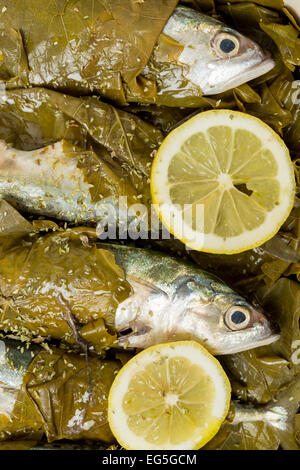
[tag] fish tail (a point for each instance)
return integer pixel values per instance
(286, 406)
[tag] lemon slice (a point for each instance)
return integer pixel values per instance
(169, 396)
(223, 182)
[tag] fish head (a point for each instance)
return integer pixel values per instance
(232, 60)
(222, 320)
(215, 57)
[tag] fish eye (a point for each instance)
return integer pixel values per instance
(226, 45)
(237, 318)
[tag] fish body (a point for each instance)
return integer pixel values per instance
(209, 55)
(174, 300)
(64, 182)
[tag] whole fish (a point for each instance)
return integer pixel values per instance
(65, 285)
(210, 55)
(20, 368)
(147, 51)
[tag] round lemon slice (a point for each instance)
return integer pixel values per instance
(169, 396)
(223, 182)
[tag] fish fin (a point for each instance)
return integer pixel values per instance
(286, 406)
(12, 223)
(148, 289)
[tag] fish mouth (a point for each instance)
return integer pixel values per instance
(253, 72)
(261, 69)
(256, 344)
